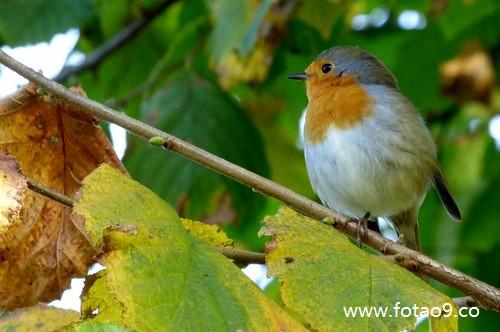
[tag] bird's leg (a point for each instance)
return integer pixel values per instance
(363, 221)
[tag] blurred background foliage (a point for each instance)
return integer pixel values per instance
(213, 72)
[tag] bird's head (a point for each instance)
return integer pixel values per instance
(335, 83)
(344, 65)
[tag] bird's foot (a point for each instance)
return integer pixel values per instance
(363, 222)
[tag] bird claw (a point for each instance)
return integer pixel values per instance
(362, 221)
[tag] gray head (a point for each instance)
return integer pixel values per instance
(352, 61)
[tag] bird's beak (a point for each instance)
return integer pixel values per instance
(298, 76)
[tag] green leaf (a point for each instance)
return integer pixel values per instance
(320, 14)
(237, 24)
(110, 80)
(37, 318)
(453, 21)
(23, 21)
(157, 276)
(201, 113)
(251, 35)
(322, 274)
(186, 38)
(231, 20)
(113, 15)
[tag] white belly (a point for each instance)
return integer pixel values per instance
(366, 168)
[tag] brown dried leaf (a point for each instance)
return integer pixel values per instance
(57, 145)
(470, 76)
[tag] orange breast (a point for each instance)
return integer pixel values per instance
(334, 102)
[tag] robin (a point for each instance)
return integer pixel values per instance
(368, 152)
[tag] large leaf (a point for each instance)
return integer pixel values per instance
(31, 21)
(157, 276)
(57, 145)
(322, 275)
(199, 112)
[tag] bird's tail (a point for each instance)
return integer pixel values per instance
(439, 182)
(407, 226)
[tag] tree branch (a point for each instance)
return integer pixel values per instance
(244, 256)
(52, 194)
(238, 255)
(486, 295)
(117, 41)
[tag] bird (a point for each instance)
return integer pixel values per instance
(368, 152)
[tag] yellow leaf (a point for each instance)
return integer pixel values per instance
(443, 323)
(234, 68)
(326, 279)
(158, 277)
(210, 234)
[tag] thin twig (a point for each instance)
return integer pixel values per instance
(117, 41)
(486, 295)
(244, 256)
(52, 194)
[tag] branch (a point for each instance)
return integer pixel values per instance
(52, 194)
(238, 255)
(486, 295)
(117, 41)
(244, 256)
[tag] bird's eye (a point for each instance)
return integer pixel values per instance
(326, 68)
